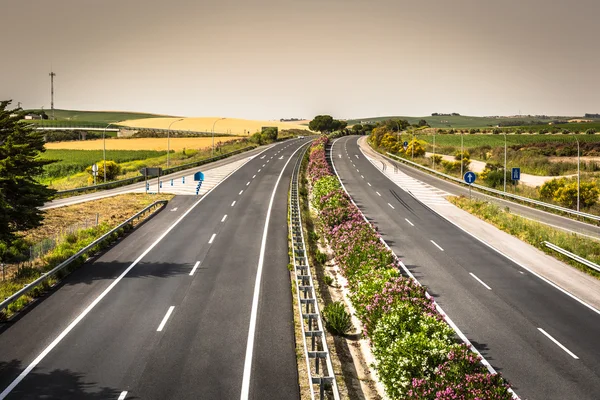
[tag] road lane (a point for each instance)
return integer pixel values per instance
(117, 348)
(503, 322)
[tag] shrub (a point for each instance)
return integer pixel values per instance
(337, 319)
(328, 279)
(322, 187)
(590, 131)
(549, 188)
(112, 170)
(567, 194)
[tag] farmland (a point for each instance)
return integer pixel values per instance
(155, 144)
(70, 162)
(205, 124)
(498, 140)
(465, 121)
(130, 154)
(93, 117)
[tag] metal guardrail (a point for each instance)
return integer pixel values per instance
(30, 286)
(166, 171)
(572, 256)
(501, 193)
(320, 372)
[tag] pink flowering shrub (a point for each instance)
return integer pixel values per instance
(417, 353)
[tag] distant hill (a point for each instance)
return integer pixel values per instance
(96, 117)
(451, 121)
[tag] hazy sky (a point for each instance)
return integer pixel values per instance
(280, 58)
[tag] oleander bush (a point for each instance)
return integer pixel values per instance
(417, 354)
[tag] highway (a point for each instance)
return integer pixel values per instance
(195, 303)
(140, 185)
(543, 341)
(545, 217)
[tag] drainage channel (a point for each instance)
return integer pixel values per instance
(316, 353)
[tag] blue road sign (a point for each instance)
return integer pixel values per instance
(198, 176)
(470, 177)
(405, 145)
(516, 174)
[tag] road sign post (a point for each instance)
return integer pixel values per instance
(95, 172)
(470, 178)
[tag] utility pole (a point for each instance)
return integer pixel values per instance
(52, 75)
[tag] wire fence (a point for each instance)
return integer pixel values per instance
(46, 245)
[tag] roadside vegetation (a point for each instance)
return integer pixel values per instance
(532, 156)
(417, 354)
(534, 233)
(63, 233)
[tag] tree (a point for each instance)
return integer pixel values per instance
(20, 195)
(423, 122)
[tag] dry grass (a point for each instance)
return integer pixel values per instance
(113, 210)
(229, 125)
(158, 144)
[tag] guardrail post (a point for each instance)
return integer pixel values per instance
(171, 182)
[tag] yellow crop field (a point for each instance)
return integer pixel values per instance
(159, 144)
(205, 124)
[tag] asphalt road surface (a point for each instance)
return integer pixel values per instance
(168, 312)
(544, 342)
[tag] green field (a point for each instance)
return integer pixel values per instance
(93, 117)
(478, 140)
(75, 161)
(465, 121)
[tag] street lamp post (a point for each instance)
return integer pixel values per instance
(433, 158)
(462, 152)
(578, 170)
(505, 161)
(213, 136)
(104, 149)
(169, 139)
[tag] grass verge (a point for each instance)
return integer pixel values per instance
(111, 212)
(534, 233)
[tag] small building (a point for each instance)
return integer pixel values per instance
(33, 116)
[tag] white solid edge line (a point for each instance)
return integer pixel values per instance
(569, 352)
(411, 224)
(122, 395)
(212, 238)
(165, 319)
(93, 304)
(224, 218)
(195, 267)
(554, 285)
(436, 245)
(254, 311)
(233, 204)
(391, 206)
(480, 281)
(407, 271)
